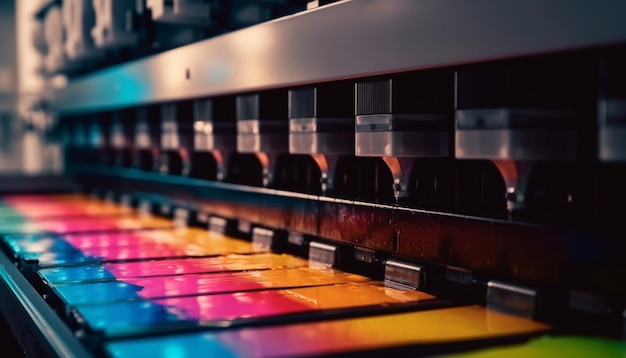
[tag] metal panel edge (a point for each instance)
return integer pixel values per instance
(351, 39)
(39, 330)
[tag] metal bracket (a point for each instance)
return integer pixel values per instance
(181, 217)
(202, 218)
(403, 276)
(459, 275)
(244, 226)
(322, 255)
(144, 207)
(126, 200)
(517, 300)
(262, 239)
(364, 255)
(295, 238)
(166, 209)
(312, 4)
(217, 224)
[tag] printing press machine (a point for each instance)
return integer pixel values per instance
(469, 153)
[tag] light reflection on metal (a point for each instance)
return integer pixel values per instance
(246, 60)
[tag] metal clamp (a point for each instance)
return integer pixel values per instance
(517, 300)
(217, 225)
(144, 207)
(166, 209)
(403, 276)
(459, 275)
(364, 254)
(126, 200)
(322, 255)
(181, 217)
(244, 226)
(202, 217)
(295, 238)
(262, 239)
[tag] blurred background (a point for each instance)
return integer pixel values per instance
(47, 42)
(10, 147)
(27, 141)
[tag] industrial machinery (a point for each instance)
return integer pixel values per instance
(367, 176)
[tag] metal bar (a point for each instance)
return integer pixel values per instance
(403, 276)
(38, 329)
(477, 244)
(323, 255)
(351, 39)
(517, 300)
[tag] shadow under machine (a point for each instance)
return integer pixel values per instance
(276, 178)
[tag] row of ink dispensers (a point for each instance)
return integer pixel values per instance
(533, 139)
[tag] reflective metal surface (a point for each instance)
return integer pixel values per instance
(368, 37)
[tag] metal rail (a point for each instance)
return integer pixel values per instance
(497, 247)
(37, 327)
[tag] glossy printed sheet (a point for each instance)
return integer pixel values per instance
(120, 270)
(198, 284)
(42, 206)
(54, 250)
(442, 327)
(222, 309)
(83, 224)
